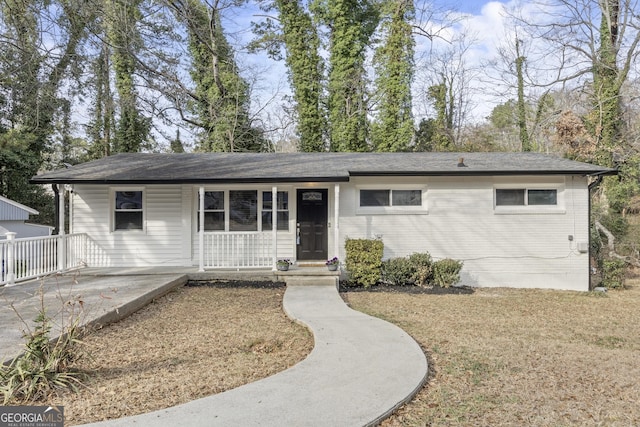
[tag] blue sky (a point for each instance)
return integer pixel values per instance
(470, 6)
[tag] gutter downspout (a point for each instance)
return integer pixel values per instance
(591, 187)
(56, 208)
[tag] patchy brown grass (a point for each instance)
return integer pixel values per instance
(520, 357)
(497, 357)
(191, 343)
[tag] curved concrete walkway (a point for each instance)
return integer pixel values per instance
(360, 370)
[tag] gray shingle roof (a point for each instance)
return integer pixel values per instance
(139, 168)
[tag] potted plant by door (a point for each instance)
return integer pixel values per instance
(283, 264)
(333, 263)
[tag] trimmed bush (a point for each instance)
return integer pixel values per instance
(613, 273)
(446, 272)
(364, 260)
(422, 265)
(397, 271)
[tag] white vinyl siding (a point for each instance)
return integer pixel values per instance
(160, 243)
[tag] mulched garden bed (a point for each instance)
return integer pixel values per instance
(408, 289)
(237, 284)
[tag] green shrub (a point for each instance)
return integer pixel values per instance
(364, 261)
(422, 265)
(446, 272)
(397, 271)
(613, 273)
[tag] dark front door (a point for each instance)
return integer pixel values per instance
(312, 224)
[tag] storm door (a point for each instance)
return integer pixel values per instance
(311, 228)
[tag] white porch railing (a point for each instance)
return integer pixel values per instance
(29, 258)
(238, 250)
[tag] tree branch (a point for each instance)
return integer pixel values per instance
(611, 245)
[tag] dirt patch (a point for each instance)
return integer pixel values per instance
(194, 342)
(519, 357)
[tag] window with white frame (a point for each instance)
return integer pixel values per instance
(128, 210)
(526, 197)
(213, 211)
(390, 197)
(240, 210)
(282, 210)
(243, 210)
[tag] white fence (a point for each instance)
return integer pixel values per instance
(238, 250)
(29, 258)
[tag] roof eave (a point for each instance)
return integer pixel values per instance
(272, 180)
(488, 173)
(187, 181)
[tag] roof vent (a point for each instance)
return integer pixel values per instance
(461, 163)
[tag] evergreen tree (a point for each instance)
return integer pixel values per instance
(393, 130)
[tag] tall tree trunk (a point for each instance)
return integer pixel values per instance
(302, 44)
(522, 109)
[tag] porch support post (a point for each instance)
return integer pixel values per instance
(201, 229)
(274, 226)
(9, 265)
(61, 239)
(336, 223)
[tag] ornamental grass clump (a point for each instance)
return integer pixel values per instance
(46, 365)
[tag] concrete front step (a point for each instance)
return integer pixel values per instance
(311, 280)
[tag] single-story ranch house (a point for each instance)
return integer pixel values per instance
(514, 219)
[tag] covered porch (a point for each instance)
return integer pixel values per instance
(300, 223)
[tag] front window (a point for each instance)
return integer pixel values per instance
(510, 197)
(128, 213)
(213, 211)
(243, 210)
(240, 210)
(282, 210)
(526, 197)
(406, 197)
(542, 197)
(383, 197)
(369, 198)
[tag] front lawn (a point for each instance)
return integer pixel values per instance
(507, 357)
